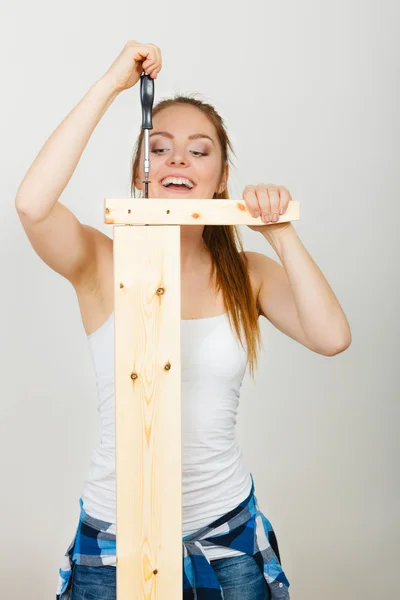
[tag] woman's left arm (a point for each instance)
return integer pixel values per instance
(294, 296)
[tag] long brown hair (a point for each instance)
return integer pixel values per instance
(229, 263)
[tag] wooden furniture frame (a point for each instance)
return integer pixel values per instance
(147, 305)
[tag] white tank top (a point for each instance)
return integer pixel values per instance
(215, 477)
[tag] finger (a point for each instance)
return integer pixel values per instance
(154, 55)
(141, 53)
(154, 66)
(149, 66)
(274, 197)
(158, 55)
(249, 196)
(146, 55)
(285, 199)
(264, 201)
(151, 70)
(155, 69)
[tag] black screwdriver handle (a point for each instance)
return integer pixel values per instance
(147, 99)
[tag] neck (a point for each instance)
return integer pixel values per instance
(194, 252)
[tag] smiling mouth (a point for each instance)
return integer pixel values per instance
(178, 189)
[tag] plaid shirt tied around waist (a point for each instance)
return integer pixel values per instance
(244, 528)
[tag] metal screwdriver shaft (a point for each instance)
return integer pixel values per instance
(147, 99)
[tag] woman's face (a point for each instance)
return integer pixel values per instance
(174, 151)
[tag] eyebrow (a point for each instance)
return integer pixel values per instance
(195, 136)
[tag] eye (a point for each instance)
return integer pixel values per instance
(201, 153)
(195, 152)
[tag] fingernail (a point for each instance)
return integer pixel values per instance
(282, 210)
(274, 217)
(266, 218)
(256, 214)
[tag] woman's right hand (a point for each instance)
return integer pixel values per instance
(128, 67)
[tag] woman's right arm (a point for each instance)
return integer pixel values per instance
(60, 240)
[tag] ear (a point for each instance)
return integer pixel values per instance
(138, 183)
(223, 183)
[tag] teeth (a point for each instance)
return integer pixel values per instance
(177, 181)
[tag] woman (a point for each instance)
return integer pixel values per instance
(224, 291)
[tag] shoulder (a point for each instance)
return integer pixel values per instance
(262, 269)
(256, 265)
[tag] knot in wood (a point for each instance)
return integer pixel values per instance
(160, 291)
(167, 366)
(134, 376)
(155, 571)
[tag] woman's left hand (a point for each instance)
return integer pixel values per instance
(269, 201)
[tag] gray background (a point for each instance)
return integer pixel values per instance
(309, 92)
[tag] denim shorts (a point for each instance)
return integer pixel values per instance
(239, 576)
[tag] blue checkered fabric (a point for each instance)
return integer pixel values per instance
(245, 528)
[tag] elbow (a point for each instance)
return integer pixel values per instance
(21, 205)
(339, 346)
(25, 199)
(25, 210)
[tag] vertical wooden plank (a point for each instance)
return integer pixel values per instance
(147, 299)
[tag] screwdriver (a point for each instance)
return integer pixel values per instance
(147, 99)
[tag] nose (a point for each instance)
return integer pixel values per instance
(173, 162)
(176, 157)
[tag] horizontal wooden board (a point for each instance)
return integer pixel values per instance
(183, 211)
